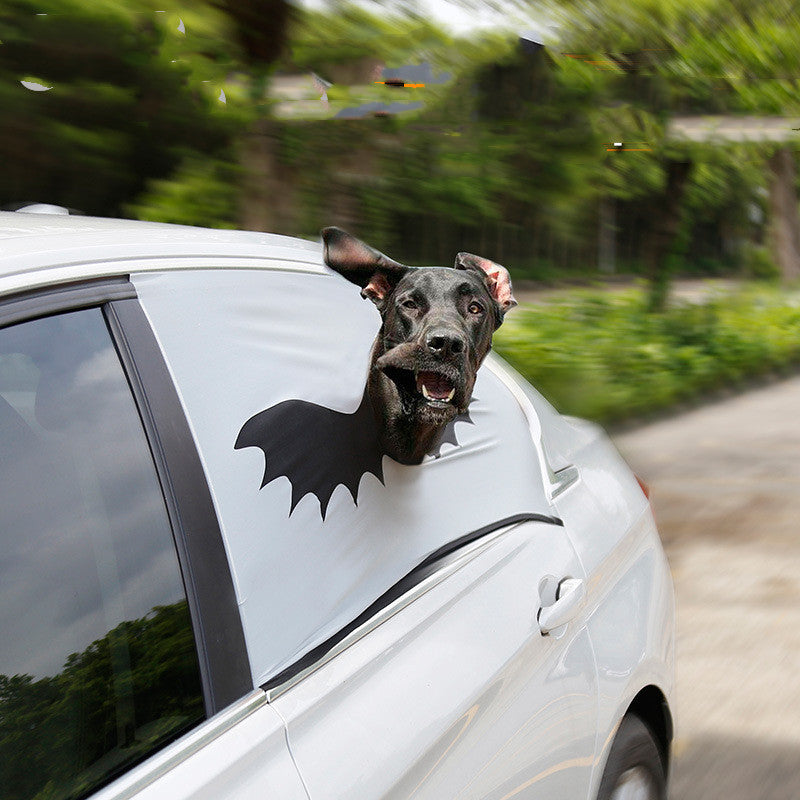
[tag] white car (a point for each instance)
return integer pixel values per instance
(190, 615)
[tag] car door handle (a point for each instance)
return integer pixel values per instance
(569, 601)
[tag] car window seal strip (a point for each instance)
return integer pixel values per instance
(279, 682)
(160, 763)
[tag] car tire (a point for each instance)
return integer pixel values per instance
(635, 769)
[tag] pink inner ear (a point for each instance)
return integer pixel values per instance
(351, 252)
(377, 288)
(499, 282)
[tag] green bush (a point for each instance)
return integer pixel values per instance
(607, 359)
(758, 263)
(201, 192)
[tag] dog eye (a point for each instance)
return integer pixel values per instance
(475, 308)
(409, 304)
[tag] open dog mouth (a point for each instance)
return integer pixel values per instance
(435, 387)
(430, 387)
(424, 385)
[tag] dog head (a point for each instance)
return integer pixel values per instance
(437, 326)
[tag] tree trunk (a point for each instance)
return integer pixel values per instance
(258, 165)
(607, 236)
(261, 29)
(267, 196)
(665, 225)
(784, 222)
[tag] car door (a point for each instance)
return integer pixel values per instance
(121, 670)
(453, 690)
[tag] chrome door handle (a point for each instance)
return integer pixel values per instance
(569, 601)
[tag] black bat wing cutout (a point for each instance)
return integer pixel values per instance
(318, 448)
(315, 447)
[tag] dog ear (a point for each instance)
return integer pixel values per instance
(498, 281)
(361, 264)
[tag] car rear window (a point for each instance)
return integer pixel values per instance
(97, 661)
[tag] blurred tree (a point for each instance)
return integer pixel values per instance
(349, 34)
(785, 222)
(511, 156)
(200, 191)
(663, 57)
(500, 154)
(260, 31)
(110, 111)
(663, 243)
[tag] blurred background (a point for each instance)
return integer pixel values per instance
(632, 162)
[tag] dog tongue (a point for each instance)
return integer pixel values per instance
(437, 385)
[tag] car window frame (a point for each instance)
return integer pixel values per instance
(208, 583)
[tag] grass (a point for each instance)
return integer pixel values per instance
(607, 359)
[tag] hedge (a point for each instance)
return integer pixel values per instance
(607, 359)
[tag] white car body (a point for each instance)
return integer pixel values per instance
(447, 688)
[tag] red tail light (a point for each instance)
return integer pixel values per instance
(643, 486)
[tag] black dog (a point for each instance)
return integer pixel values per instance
(437, 329)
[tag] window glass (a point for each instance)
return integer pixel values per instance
(97, 662)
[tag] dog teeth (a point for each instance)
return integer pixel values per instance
(447, 399)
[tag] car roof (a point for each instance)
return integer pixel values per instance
(46, 248)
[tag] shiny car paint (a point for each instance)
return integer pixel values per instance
(453, 691)
(458, 694)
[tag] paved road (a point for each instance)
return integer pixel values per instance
(725, 483)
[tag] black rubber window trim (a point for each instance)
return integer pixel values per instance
(219, 636)
(428, 566)
(35, 303)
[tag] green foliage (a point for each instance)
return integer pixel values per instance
(757, 263)
(201, 192)
(609, 360)
(512, 154)
(509, 157)
(725, 180)
(319, 40)
(708, 56)
(117, 112)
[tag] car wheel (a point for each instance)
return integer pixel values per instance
(634, 770)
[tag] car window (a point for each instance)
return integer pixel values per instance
(97, 663)
(271, 367)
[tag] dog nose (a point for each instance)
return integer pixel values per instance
(444, 343)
